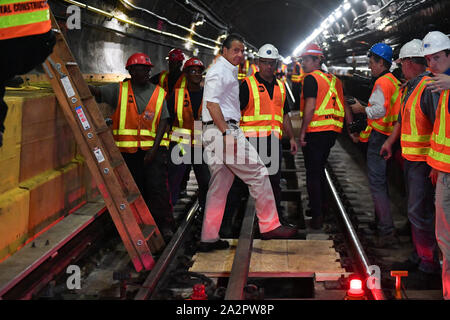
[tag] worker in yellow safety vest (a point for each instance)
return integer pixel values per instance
(436, 49)
(173, 78)
(185, 107)
(26, 40)
(382, 113)
(414, 128)
(265, 117)
(297, 74)
(140, 121)
(323, 119)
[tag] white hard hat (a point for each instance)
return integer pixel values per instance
(410, 49)
(435, 41)
(268, 51)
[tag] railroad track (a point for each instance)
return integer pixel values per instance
(106, 271)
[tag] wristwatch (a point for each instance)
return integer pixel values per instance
(227, 131)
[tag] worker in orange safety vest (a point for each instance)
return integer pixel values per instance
(323, 118)
(140, 121)
(414, 128)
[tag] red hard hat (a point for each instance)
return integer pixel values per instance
(193, 62)
(312, 49)
(138, 58)
(176, 55)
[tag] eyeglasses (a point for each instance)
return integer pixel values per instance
(193, 71)
(267, 62)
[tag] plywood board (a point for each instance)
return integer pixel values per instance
(274, 258)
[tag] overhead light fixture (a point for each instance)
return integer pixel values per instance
(347, 6)
(338, 14)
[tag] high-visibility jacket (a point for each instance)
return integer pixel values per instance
(164, 81)
(263, 116)
(391, 90)
(329, 112)
(297, 76)
(416, 127)
(183, 125)
(132, 130)
(253, 69)
(242, 72)
(21, 18)
(439, 153)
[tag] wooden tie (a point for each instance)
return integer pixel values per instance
(127, 208)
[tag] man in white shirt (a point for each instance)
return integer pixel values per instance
(228, 152)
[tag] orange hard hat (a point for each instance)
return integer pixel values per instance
(139, 58)
(193, 62)
(312, 49)
(176, 55)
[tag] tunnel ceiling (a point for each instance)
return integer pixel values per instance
(283, 23)
(286, 23)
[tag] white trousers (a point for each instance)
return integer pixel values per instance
(243, 162)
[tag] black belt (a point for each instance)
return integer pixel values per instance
(207, 123)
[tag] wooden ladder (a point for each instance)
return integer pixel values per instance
(127, 208)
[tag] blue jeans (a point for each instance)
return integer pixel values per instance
(376, 172)
(421, 214)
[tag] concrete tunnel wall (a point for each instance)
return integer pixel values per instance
(99, 49)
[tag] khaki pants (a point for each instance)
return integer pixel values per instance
(244, 163)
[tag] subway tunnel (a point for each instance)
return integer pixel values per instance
(56, 190)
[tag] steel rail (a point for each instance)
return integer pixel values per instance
(166, 257)
(356, 244)
(241, 263)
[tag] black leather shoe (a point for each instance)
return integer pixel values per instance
(210, 246)
(282, 232)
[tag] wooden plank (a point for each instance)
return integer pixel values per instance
(278, 258)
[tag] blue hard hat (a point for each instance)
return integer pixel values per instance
(382, 50)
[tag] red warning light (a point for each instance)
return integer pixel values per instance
(355, 292)
(355, 284)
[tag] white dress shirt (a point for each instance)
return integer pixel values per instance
(222, 87)
(376, 108)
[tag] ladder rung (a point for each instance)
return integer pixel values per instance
(133, 197)
(148, 231)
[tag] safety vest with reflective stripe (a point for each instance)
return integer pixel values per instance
(254, 69)
(439, 153)
(132, 130)
(416, 127)
(391, 91)
(21, 18)
(262, 115)
(297, 76)
(164, 81)
(329, 112)
(242, 72)
(183, 125)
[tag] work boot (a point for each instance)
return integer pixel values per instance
(316, 223)
(282, 232)
(210, 246)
